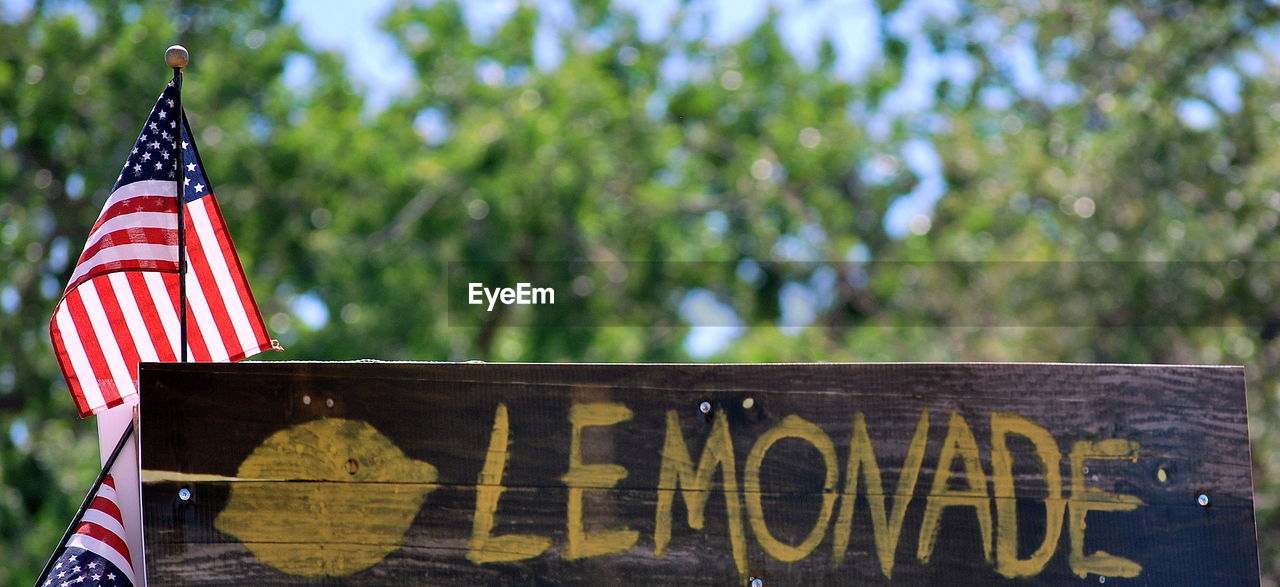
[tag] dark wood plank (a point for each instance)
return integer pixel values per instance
(370, 472)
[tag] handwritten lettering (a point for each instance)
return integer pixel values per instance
(678, 472)
(960, 444)
(484, 547)
(582, 477)
(1007, 561)
(862, 458)
(959, 480)
(790, 427)
(1086, 499)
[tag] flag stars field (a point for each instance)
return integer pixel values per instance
(96, 547)
(120, 306)
(130, 300)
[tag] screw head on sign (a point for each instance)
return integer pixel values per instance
(704, 407)
(184, 494)
(1203, 500)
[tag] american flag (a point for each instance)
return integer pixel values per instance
(121, 305)
(96, 555)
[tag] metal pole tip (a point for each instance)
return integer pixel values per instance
(177, 56)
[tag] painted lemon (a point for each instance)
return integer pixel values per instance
(340, 499)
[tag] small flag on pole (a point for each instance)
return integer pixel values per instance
(96, 553)
(122, 305)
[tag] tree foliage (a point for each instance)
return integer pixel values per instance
(1114, 144)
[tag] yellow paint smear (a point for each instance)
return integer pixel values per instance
(159, 476)
(342, 497)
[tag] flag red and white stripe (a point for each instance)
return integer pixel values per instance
(101, 530)
(121, 304)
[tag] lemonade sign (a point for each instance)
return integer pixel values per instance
(370, 472)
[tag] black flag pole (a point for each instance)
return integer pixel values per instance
(84, 506)
(177, 57)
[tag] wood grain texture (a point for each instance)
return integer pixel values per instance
(201, 424)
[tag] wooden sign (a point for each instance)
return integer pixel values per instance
(426, 473)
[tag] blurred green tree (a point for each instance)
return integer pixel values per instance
(1117, 140)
